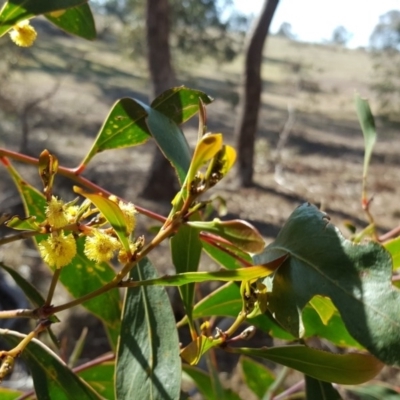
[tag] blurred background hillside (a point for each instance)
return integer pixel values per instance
(308, 143)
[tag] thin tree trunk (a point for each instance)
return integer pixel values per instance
(250, 98)
(161, 181)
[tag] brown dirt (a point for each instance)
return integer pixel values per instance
(321, 161)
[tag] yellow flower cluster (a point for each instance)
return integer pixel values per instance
(100, 247)
(129, 211)
(23, 34)
(55, 213)
(58, 250)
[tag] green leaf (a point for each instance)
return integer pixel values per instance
(51, 377)
(225, 259)
(30, 291)
(81, 276)
(324, 307)
(186, 252)
(367, 123)
(124, 126)
(356, 277)
(393, 247)
(10, 394)
(111, 212)
(257, 376)
(101, 378)
(23, 224)
(204, 384)
(180, 103)
(240, 233)
(241, 274)
(148, 363)
(131, 123)
(170, 140)
(226, 301)
(376, 391)
(14, 11)
(77, 21)
(316, 389)
(335, 330)
(345, 369)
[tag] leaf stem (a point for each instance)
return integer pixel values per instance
(18, 236)
(74, 175)
(116, 281)
(20, 313)
(53, 284)
(278, 382)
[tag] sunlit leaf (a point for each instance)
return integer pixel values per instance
(356, 277)
(112, 213)
(257, 376)
(246, 274)
(51, 377)
(367, 123)
(239, 233)
(220, 165)
(316, 389)
(148, 363)
(324, 307)
(101, 378)
(10, 394)
(180, 103)
(208, 146)
(335, 330)
(125, 126)
(346, 369)
(195, 349)
(14, 11)
(23, 224)
(393, 247)
(77, 21)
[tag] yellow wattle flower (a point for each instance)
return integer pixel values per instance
(58, 250)
(23, 34)
(56, 214)
(129, 212)
(100, 247)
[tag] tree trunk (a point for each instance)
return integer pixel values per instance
(161, 181)
(250, 98)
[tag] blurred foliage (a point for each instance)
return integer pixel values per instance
(199, 28)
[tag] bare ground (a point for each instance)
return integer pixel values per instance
(321, 160)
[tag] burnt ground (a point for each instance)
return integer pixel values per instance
(320, 161)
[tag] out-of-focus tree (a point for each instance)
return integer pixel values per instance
(250, 97)
(196, 28)
(386, 34)
(385, 51)
(341, 36)
(285, 30)
(161, 180)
